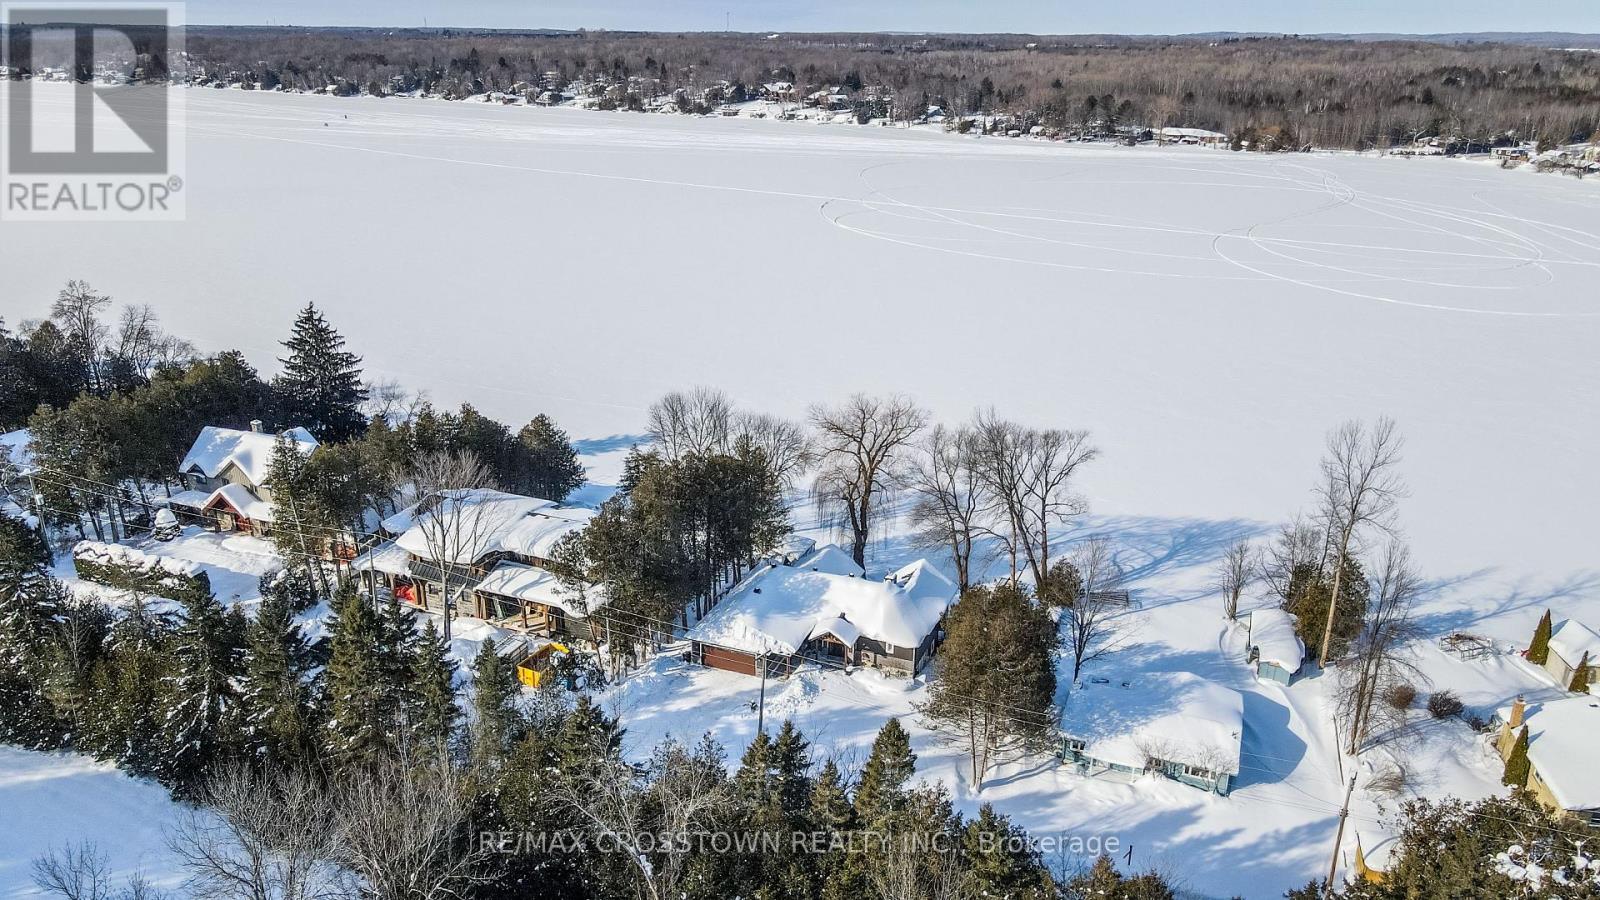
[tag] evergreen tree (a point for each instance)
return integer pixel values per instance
(280, 725)
(130, 684)
(1539, 648)
(883, 779)
(360, 700)
(298, 532)
(431, 709)
(74, 646)
(1001, 862)
(320, 387)
(1516, 772)
(28, 608)
(997, 676)
(1582, 676)
(585, 736)
(202, 704)
(1104, 882)
(496, 717)
(553, 467)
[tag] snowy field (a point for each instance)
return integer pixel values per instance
(1208, 315)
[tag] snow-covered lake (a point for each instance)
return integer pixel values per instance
(1209, 315)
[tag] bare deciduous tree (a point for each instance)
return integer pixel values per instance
(75, 872)
(456, 514)
(1381, 658)
(77, 310)
(253, 838)
(860, 445)
(1234, 574)
(697, 421)
(402, 827)
(1028, 471)
(1298, 544)
(951, 505)
(785, 443)
(679, 793)
(1089, 620)
(1361, 488)
(389, 400)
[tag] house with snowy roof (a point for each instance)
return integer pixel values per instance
(1175, 725)
(1561, 736)
(823, 608)
(1274, 645)
(1571, 644)
(485, 553)
(225, 476)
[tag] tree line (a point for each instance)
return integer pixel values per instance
(1292, 91)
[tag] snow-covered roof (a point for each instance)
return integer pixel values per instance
(830, 559)
(250, 451)
(531, 583)
(1570, 639)
(779, 608)
(14, 445)
(1198, 133)
(247, 504)
(390, 559)
(1561, 747)
(487, 521)
(1272, 633)
(1175, 716)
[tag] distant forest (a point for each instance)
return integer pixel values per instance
(1299, 92)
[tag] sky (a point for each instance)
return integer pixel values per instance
(1027, 16)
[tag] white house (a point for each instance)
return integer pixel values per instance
(1199, 136)
(498, 544)
(1174, 724)
(781, 614)
(225, 475)
(1570, 642)
(1275, 647)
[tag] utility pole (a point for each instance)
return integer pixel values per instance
(761, 704)
(1338, 836)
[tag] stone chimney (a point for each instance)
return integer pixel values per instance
(255, 426)
(1519, 709)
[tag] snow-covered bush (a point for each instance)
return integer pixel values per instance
(127, 568)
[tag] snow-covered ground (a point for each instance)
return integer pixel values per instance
(50, 800)
(1208, 315)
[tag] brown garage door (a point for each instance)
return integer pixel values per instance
(727, 660)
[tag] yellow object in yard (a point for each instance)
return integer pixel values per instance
(529, 676)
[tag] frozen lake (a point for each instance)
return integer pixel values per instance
(1209, 315)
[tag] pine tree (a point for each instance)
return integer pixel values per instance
(27, 607)
(1582, 676)
(431, 710)
(1000, 860)
(320, 387)
(586, 736)
(130, 686)
(496, 718)
(280, 725)
(202, 705)
(1539, 648)
(1516, 773)
(553, 467)
(360, 701)
(883, 779)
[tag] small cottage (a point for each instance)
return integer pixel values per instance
(1571, 642)
(1274, 645)
(1175, 725)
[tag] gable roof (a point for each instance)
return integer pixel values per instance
(486, 521)
(778, 608)
(831, 559)
(1571, 639)
(249, 451)
(1561, 747)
